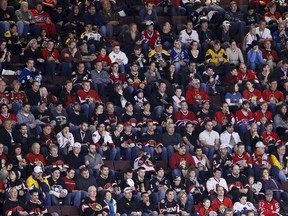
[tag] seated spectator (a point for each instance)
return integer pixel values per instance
(234, 54)
(223, 160)
(100, 78)
(65, 140)
(29, 74)
(243, 206)
(188, 35)
(279, 37)
(74, 159)
(221, 203)
(251, 17)
(272, 96)
(214, 182)
(243, 159)
(68, 96)
(13, 205)
(201, 163)
(210, 145)
(280, 73)
(79, 75)
(229, 137)
(104, 58)
(104, 143)
(118, 56)
(279, 166)
(270, 183)
(169, 201)
(25, 116)
(179, 56)
(131, 38)
(69, 56)
(37, 182)
(249, 38)
(46, 139)
(195, 56)
(167, 36)
(263, 32)
(233, 98)
(58, 191)
(255, 57)
(14, 44)
(92, 40)
(264, 76)
(149, 36)
(52, 58)
(212, 81)
(269, 205)
(128, 204)
(91, 205)
(270, 55)
(43, 19)
(148, 13)
(263, 116)
(252, 95)
(206, 36)
(94, 18)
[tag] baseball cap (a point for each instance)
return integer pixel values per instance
(181, 145)
(77, 145)
(222, 146)
(158, 169)
(127, 123)
(229, 124)
(226, 22)
(37, 169)
(158, 43)
(195, 81)
(127, 190)
(260, 144)
(177, 178)
(268, 192)
(149, 22)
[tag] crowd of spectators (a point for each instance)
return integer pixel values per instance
(205, 100)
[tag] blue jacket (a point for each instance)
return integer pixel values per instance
(176, 57)
(255, 57)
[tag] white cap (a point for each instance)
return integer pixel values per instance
(260, 145)
(223, 145)
(226, 22)
(127, 190)
(77, 144)
(38, 169)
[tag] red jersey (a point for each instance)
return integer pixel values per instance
(54, 54)
(273, 53)
(9, 116)
(272, 96)
(17, 97)
(105, 59)
(263, 117)
(203, 211)
(70, 184)
(271, 137)
(254, 96)
(239, 159)
(40, 17)
(249, 75)
(3, 161)
(83, 96)
(244, 117)
(35, 160)
(181, 161)
(4, 97)
(269, 208)
(181, 118)
(223, 118)
(194, 96)
(261, 160)
(117, 78)
(151, 38)
(219, 206)
(276, 15)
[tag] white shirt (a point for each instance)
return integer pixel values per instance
(212, 183)
(225, 138)
(107, 138)
(65, 141)
(266, 34)
(209, 137)
(121, 55)
(188, 38)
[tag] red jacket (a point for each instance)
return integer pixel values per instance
(54, 54)
(273, 53)
(222, 118)
(269, 208)
(237, 159)
(181, 161)
(251, 96)
(269, 95)
(217, 203)
(241, 118)
(249, 75)
(84, 95)
(269, 137)
(182, 118)
(35, 159)
(194, 96)
(263, 117)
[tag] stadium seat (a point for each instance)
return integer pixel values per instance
(70, 211)
(108, 163)
(52, 209)
(121, 165)
(127, 20)
(163, 19)
(162, 164)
